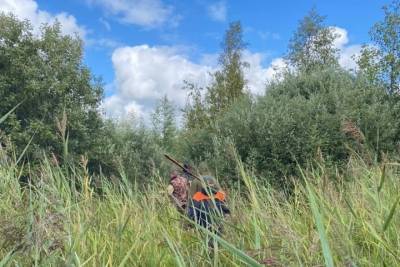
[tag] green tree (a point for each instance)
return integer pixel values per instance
(47, 75)
(382, 62)
(227, 87)
(195, 112)
(311, 46)
(229, 82)
(128, 149)
(164, 123)
(302, 117)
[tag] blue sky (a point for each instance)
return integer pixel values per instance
(143, 49)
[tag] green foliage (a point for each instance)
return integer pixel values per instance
(46, 75)
(164, 124)
(331, 125)
(229, 82)
(315, 111)
(324, 114)
(4, 117)
(318, 218)
(227, 87)
(311, 46)
(195, 112)
(382, 62)
(129, 149)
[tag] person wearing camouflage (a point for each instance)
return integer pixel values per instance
(177, 190)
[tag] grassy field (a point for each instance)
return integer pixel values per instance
(323, 223)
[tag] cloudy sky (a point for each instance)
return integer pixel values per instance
(144, 49)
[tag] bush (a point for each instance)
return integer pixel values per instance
(325, 113)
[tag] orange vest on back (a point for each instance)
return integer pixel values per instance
(199, 196)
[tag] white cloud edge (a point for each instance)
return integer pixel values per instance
(144, 13)
(29, 10)
(346, 52)
(218, 11)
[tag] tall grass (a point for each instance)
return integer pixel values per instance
(58, 220)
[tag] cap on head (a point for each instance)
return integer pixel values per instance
(211, 184)
(210, 181)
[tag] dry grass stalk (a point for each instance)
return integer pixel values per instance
(350, 129)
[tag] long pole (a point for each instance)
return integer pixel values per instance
(181, 166)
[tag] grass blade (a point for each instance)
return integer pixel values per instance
(320, 227)
(3, 118)
(383, 175)
(249, 261)
(390, 216)
(127, 255)
(178, 256)
(6, 259)
(235, 251)
(25, 149)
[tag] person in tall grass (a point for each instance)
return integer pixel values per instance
(206, 204)
(177, 190)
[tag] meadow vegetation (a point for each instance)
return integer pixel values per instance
(50, 222)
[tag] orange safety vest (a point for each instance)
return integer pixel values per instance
(199, 196)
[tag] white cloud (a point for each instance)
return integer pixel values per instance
(347, 55)
(101, 43)
(341, 37)
(28, 9)
(346, 52)
(265, 35)
(147, 13)
(105, 24)
(256, 75)
(117, 107)
(144, 74)
(209, 60)
(217, 11)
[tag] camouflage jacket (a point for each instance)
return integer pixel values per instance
(180, 185)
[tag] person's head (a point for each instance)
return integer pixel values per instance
(211, 184)
(203, 169)
(173, 174)
(187, 171)
(187, 166)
